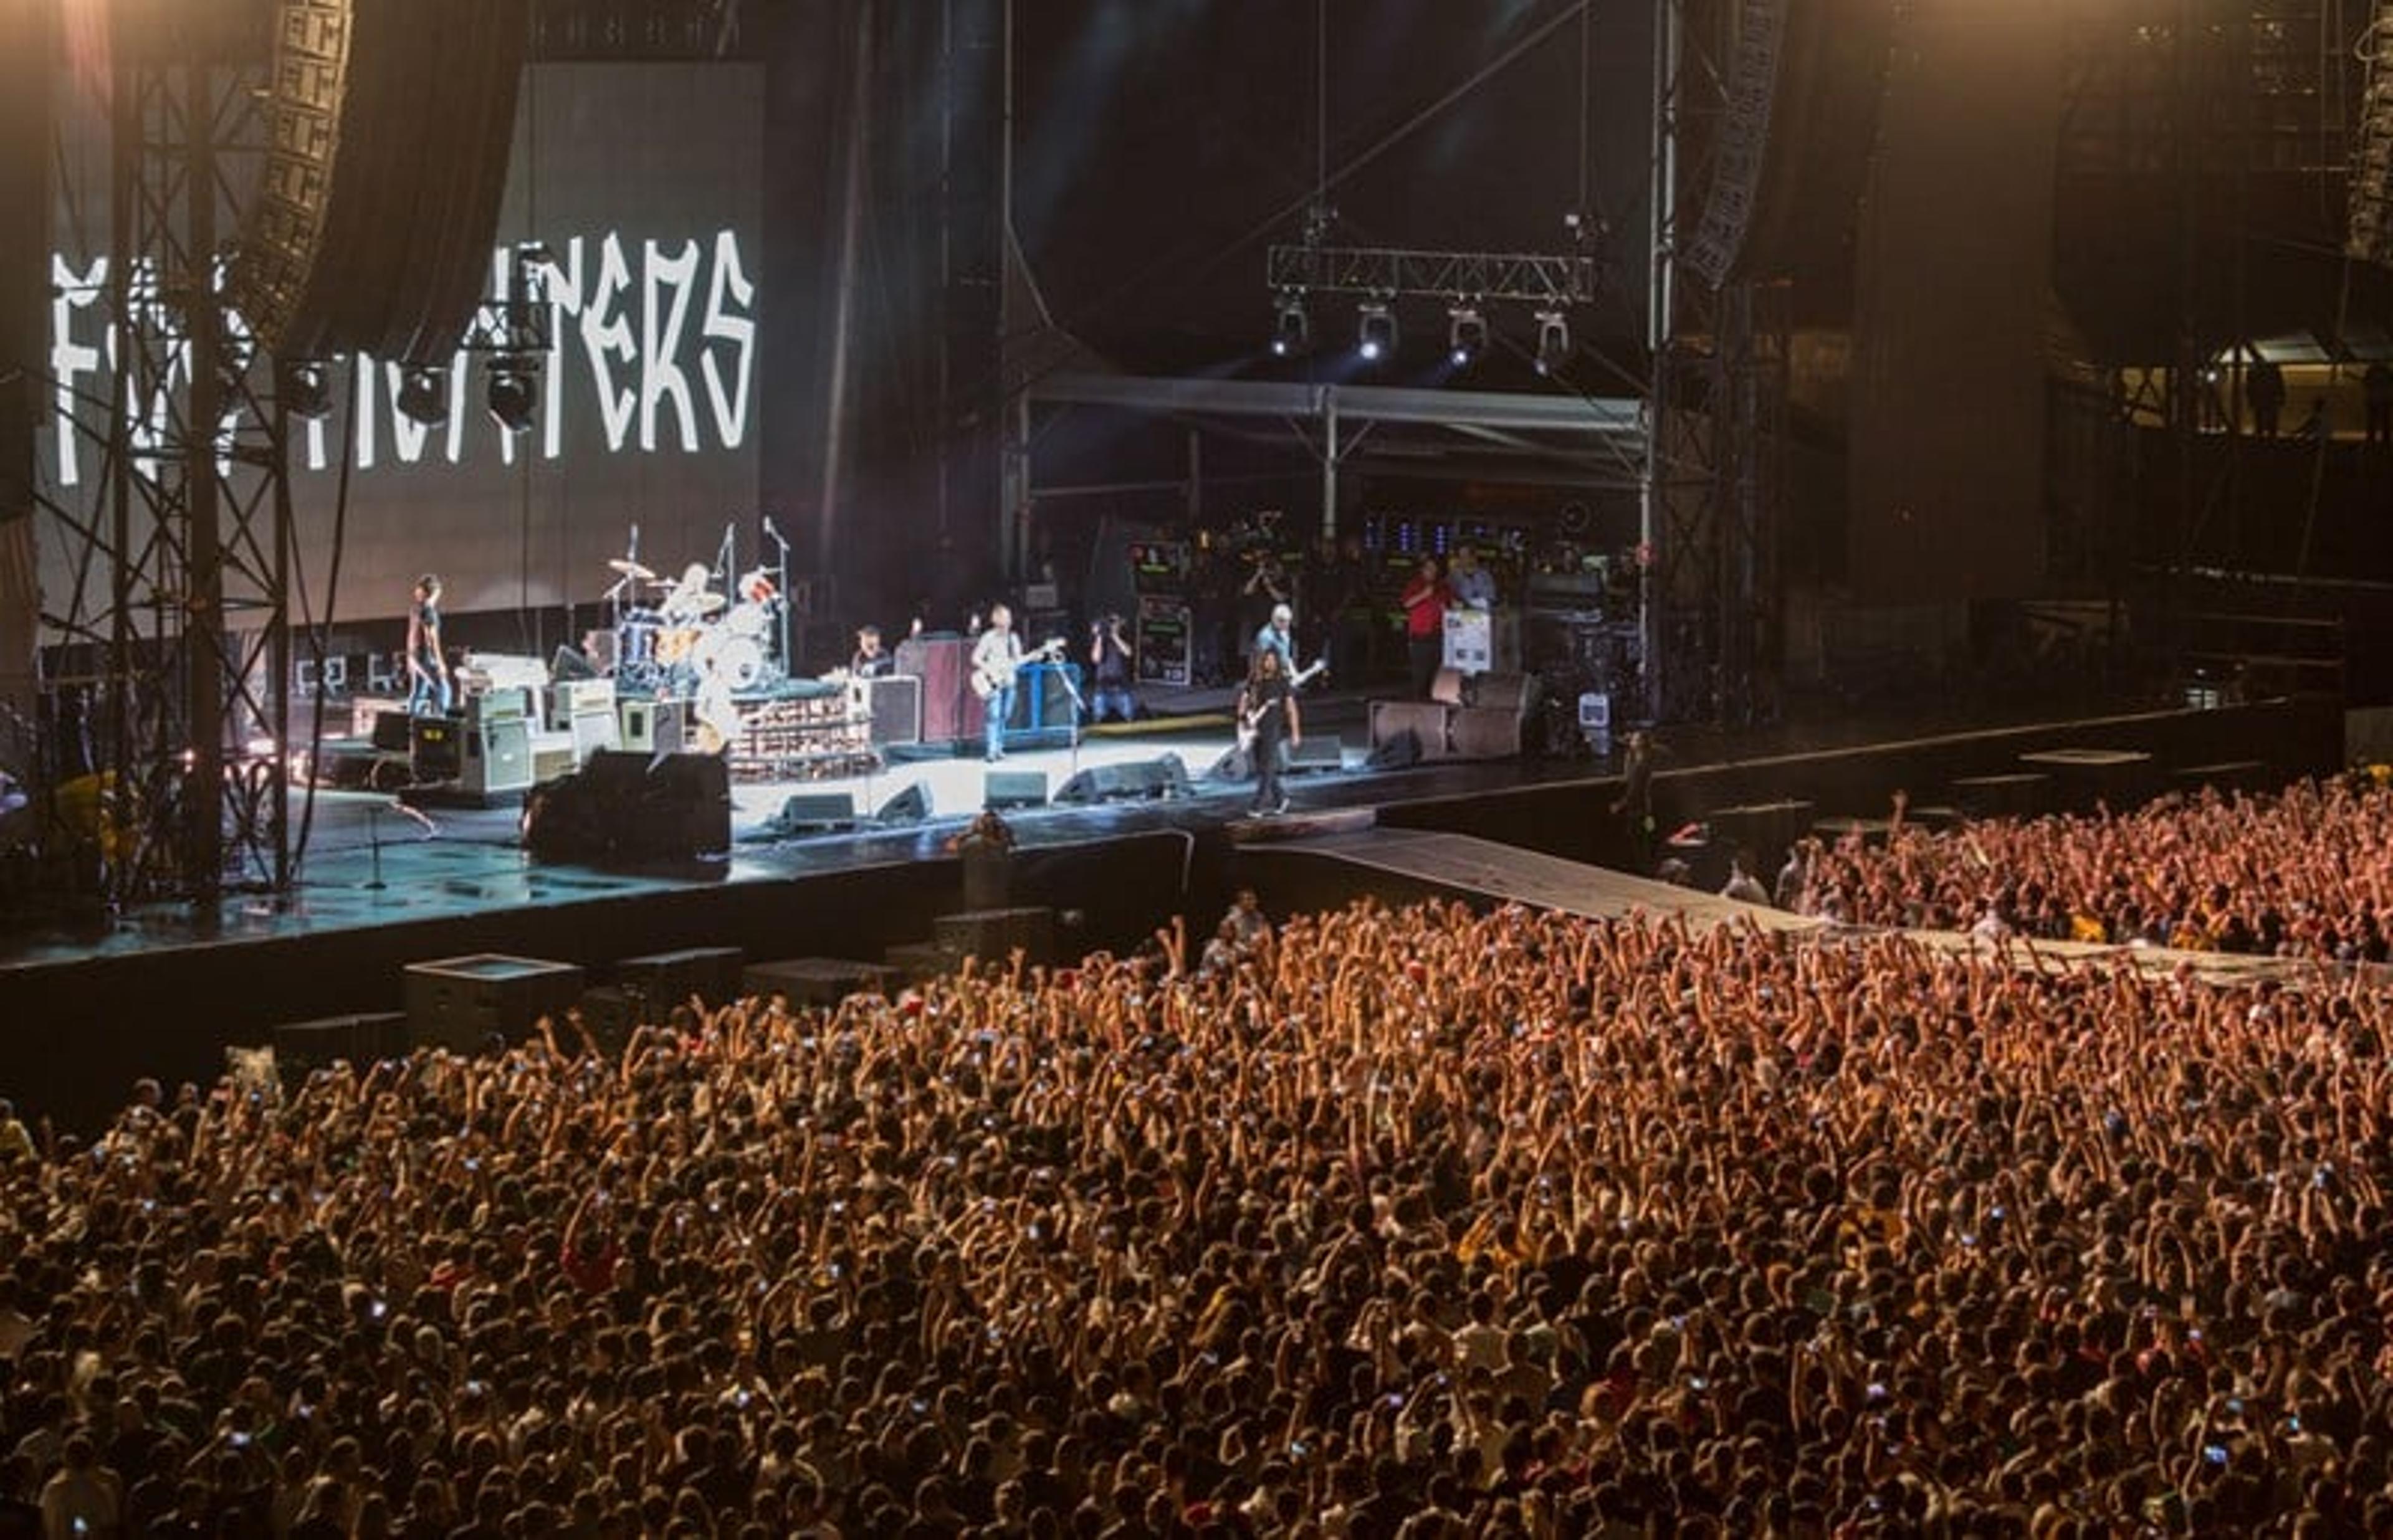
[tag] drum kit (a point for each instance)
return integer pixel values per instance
(702, 633)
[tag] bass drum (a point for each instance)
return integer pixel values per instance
(737, 661)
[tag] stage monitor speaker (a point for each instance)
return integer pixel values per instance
(1144, 780)
(1396, 752)
(1425, 722)
(572, 663)
(497, 756)
(816, 812)
(1316, 754)
(652, 727)
(1485, 732)
(909, 806)
(433, 753)
(632, 807)
(1006, 789)
(1512, 692)
(391, 733)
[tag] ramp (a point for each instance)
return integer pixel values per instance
(1465, 866)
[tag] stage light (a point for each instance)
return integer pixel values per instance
(1553, 341)
(305, 389)
(424, 395)
(513, 393)
(1466, 338)
(1375, 332)
(1291, 327)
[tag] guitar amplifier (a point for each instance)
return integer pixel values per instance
(653, 727)
(432, 748)
(896, 702)
(570, 697)
(497, 756)
(508, 703)
(949, 708)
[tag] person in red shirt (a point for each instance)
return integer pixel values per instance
(1425, 600)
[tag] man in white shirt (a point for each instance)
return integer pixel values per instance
(1474, 585)
(1279, 634)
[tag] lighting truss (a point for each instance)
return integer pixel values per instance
(1388, 273)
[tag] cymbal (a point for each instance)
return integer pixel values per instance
(630, 569)
(701, 604)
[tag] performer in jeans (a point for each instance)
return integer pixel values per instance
(427, 666)
(1110, 670)
(1267, 710)
(996, 659)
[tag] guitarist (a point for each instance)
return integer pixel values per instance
(1277, 635)
(1267, 710)
(996, 659)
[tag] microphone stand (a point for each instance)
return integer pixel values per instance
(781, 591)
(1063, 667)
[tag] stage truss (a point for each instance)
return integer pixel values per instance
(168, 652)
(1715, 492)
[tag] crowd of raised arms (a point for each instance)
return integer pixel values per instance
(2305, 873)
(1390, 1223)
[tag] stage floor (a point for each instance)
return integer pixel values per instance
(370, 861)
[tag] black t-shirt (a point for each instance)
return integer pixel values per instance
(427, 619)
(1112, 660)
(1267, 705)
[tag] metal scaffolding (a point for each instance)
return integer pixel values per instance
(1715, 460)
(170, 647)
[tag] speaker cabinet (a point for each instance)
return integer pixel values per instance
(992, 934)
(817, 980)
(629, 808)
(896, 702)
(460, 1002)
(498, 757)
(434, 752)
(653, 727)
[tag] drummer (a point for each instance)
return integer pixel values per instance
(692, 598)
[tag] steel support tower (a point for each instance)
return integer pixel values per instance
(172, 643)
(1716, 456)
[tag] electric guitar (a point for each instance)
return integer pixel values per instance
(1250, 721)
(997, 675)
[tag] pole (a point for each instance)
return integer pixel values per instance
(1330, 460)
(1661, 302)
(204, 615)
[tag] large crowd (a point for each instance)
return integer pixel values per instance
(2306, 872)
(1382, 1223)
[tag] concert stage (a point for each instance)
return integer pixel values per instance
(164, 992)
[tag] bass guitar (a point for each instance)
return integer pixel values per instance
(998, 674)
